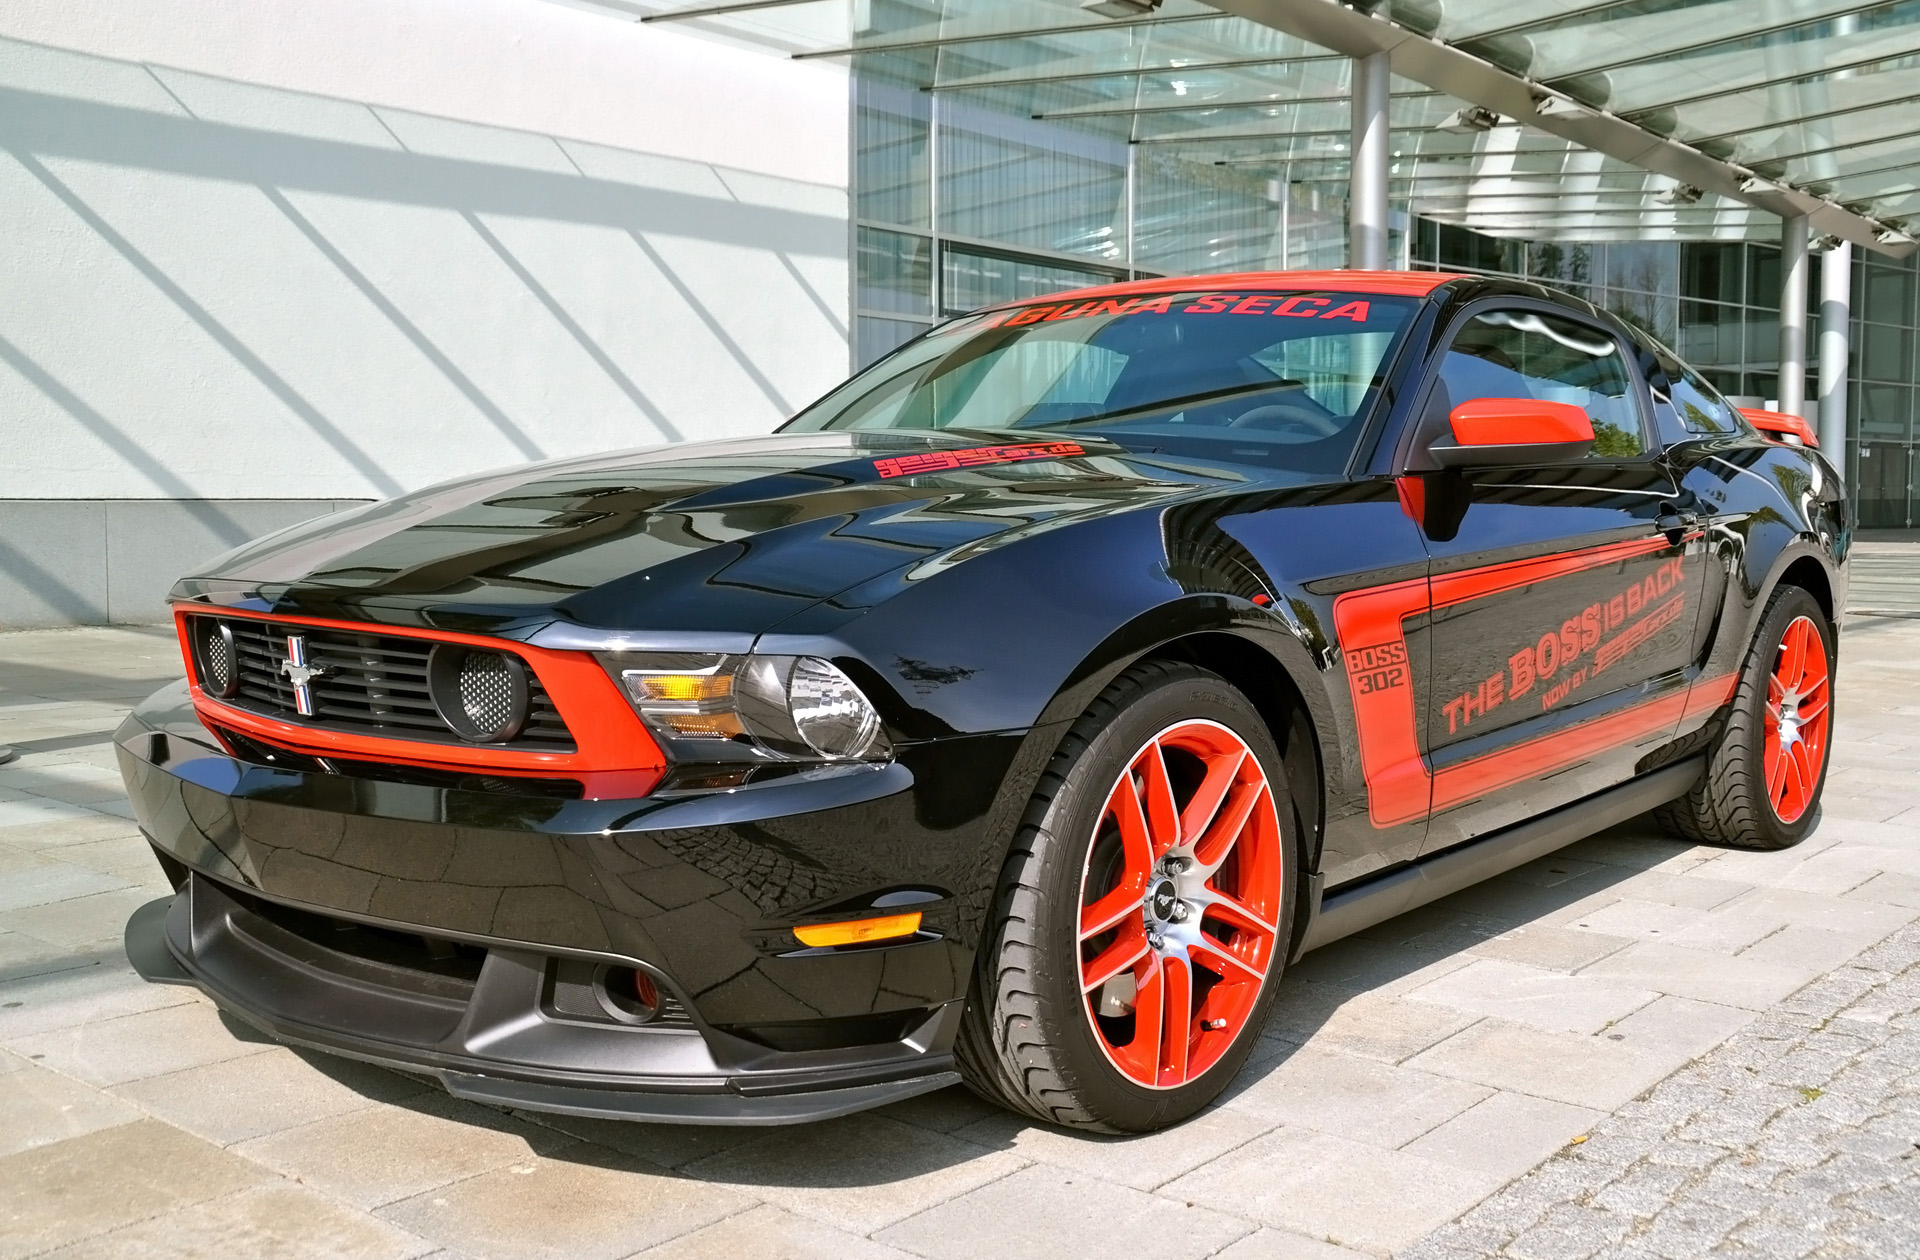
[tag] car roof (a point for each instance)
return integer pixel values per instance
(1397, 283)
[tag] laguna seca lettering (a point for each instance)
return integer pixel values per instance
(1296, 306)
(974, 457)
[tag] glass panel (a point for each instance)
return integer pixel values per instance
(1596, 35)
(1474, 251)
(1655, 314)
(1560, 264)
(1757, 389)
(1687, 67)
(1191, 218)
(896, 272)
(1727, 383)
(1713, 272)
(1710, 334)
(1046, 186)
(1759, 115)
(891, 179)
(1880, 486)
(973, 278)
(1889, 296)
(1763, 339)
(1524, 354)
(1763, 278)
(1886, 354)
(1884, 412)
(1653, 267)
(875, 337)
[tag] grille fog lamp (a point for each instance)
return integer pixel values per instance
(217, 657)
(482, 696)
(735, 708)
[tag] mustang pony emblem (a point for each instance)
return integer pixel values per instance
(301, 674)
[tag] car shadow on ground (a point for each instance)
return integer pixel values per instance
(944, 1130)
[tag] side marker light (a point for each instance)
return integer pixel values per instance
(859, 931)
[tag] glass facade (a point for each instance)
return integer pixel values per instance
(1022, 185)
(959, 203)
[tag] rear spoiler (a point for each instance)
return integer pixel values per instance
(1779, 425)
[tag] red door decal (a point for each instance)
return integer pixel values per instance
(1370, 627)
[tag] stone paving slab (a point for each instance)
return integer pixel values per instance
(1419, 1090)
(1800, 1135)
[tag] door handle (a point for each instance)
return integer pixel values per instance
(1674, 523)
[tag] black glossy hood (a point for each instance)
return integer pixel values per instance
(718, 536)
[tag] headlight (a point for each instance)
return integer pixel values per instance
(729, 708)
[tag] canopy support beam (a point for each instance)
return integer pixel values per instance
(1367, 205)
(1792, 389)
(1836, 317)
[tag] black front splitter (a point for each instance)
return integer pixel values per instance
(725, 1101)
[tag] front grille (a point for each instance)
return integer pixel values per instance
(368, 683)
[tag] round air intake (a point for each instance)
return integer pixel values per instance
(481, 695)
(627, 993)
(217, 658)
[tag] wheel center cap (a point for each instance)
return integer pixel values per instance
(1164, 899)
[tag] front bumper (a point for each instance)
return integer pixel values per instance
(450, 932)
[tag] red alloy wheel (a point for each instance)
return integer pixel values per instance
(1179, 902)
(1794, 746)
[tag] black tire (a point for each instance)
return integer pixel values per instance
(1730, 805)
(1026, 1041)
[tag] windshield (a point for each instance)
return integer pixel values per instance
(1282, 379)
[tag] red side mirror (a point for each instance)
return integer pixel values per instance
(1490, 431)
(1778, 424)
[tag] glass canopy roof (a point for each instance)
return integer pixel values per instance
(1583, 120)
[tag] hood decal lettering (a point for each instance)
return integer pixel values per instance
(974, 457)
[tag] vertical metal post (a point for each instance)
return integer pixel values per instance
(1133, 195)
(1836, 320)
(1792, 393)
(1372, 138)
(938, 255)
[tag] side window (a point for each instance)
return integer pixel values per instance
(1530, 354)
(1695, 403)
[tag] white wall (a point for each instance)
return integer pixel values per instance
(332, 249)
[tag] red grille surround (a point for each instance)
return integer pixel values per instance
(613, 755)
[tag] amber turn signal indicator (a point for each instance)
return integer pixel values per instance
(859, 931)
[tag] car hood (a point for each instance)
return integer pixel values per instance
(729, 536)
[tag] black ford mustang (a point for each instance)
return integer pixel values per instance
(1014, 714)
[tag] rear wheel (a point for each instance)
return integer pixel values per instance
(1766, 768)
(1143, 914)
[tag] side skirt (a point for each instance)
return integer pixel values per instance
(1352, 909)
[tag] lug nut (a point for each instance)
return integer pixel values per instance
(1179, 912)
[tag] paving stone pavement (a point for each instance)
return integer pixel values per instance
(1799, 1136)
(1418, 1090)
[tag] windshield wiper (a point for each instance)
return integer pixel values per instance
(1168, 404)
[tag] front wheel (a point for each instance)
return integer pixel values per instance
(1144, 912)
(1768, 764)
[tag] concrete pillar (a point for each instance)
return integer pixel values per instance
(1836, 320)
(1792, 391)
(1370, 151)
